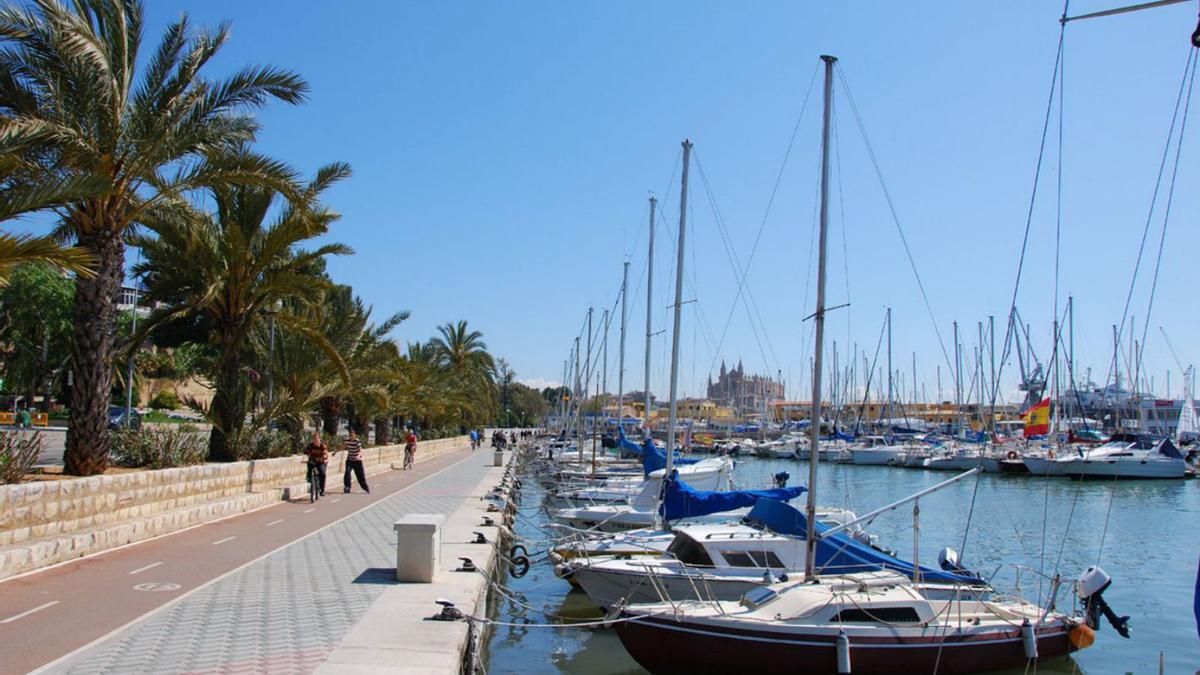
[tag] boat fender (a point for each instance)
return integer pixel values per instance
(1012, 454)
(1090, 588)
(1081, 636)
(1029, 639)
(843, 653)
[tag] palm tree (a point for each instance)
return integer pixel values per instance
(464, 355)
(75, 111)
(229, 267)
(17, 249)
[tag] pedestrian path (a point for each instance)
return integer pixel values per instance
(285, 612)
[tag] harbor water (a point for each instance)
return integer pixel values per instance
(1145, 534)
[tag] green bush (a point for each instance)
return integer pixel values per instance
(159, 448)
(19, 451)
(165, 400)
(266, 445)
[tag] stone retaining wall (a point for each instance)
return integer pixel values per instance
(60, 520)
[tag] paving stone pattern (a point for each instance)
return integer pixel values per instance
(286, 612)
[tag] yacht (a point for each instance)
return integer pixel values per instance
(1122, 456)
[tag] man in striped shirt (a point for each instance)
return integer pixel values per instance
(354, 463)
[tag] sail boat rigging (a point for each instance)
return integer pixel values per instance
(872, 622)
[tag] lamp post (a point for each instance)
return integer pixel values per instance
(272, 311)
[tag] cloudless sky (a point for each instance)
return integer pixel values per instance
(504, 153)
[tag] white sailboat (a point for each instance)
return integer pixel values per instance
(876, 622)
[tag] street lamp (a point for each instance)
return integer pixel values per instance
(272, 311)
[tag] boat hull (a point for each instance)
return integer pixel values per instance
(666, 647)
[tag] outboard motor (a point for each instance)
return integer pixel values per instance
(949, 562)
(781, 479)
(1090, 588)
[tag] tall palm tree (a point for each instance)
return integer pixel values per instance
(76, 110)
(463, 353)
(229, 267)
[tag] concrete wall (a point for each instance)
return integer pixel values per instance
(43, 523)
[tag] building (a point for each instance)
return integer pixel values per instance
(742, 393)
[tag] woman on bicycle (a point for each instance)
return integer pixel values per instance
(318, 458)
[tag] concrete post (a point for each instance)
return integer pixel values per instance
(418, 547)
(498, 458)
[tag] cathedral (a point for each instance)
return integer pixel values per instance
(743, 393)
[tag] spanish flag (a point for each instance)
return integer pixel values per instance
(1037, 419)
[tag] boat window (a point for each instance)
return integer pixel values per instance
(878, 615)
(752, 559)
(687, 551)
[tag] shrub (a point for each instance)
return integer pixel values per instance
(165, 400)
(158, 448)
(19, 451)
(268, 444)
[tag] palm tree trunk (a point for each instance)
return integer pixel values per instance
(228, 409)
(331, 411)
(94, 312)
(383, 430)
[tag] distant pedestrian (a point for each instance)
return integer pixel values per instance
(23, 419)
(318, 459)
(354, 463)
(474, 440)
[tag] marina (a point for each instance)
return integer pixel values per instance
(1155, 586)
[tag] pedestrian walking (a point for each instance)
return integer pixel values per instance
(23, 419)
(474, 440)
(354, 462)
(318, 459)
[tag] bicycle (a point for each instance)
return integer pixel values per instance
(314, 490)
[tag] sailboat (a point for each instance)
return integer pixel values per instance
(864, 622)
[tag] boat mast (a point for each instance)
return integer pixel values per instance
(604, 370)
(891, 373)
(957, 381)
(587, 370)
(579, 398)
(814, 427)
(621, 355)
(678, 308)
(649, 317)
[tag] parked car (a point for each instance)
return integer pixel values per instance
(116, 417)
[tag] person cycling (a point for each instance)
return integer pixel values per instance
(410, 449)
(318, 459)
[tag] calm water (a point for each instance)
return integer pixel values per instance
(1150, 549)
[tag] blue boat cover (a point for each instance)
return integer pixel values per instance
(1196, 599)
(841, 553)
(653, 459)
(681, 500)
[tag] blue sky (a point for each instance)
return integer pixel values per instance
(504, 152)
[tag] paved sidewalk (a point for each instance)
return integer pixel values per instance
(287, 611)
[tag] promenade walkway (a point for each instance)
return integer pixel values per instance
(270, 591)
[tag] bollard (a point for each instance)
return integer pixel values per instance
(498, 458)
(418, 547)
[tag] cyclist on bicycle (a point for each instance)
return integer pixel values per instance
(318, 458)
(410, 449)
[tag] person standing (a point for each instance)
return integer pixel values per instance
(474, 440)
(354, 462)
(23, 419)
(318, 459)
